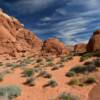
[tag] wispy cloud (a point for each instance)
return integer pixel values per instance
(71, 21)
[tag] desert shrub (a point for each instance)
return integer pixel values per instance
(61, 65)
(65, 58)
(30, 81)
(89, 68)
(78, 69)
(1, 76)
(90, 80)
(39, 60)
(51, 83)
(70, 74)
(96, 53)
(10, 91)
(28, 72)
(97, 62)
(74, 82)
(37, 69)
(1, 63)
(12, 65)
(55, 67)
(45, 74)
(90, 54)
(50, 63)
(83, 69)
(67, 96)
(49, 60)
(25, 62)
(87, 63)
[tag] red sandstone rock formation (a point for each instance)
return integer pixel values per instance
(14, 38)
(94, 42)
(80, 48)
(54, 46)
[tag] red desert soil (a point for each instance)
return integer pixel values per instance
(37, 92)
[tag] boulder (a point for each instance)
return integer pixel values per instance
(54, 47)
(80, 48)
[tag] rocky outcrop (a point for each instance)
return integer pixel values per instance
(54, 47)
(80, 48)
(14, 38)
(94, 42)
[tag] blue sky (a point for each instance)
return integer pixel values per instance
(72, 21)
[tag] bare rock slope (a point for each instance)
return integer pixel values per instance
(14, 38)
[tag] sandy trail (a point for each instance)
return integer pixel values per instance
(39, 93)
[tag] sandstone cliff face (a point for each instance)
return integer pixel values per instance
(94, 42)
(80, 48)
(14, 38)
(54, 46)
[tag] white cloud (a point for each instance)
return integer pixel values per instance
(46, 19)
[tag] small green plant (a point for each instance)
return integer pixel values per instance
(37, 69)
(70, 74)
(90, 80)
(12, 65)
(1, 76)
(55, 67)
(87, 63)
(51, 83)
(67, 96)
(89, 54)
(28, 72)
(97, 62)
(30, 81)
(50, 63)
(39, 60)
(1, 63)
(25, 62)
(74, 82)
(84, 68)
(10, 91)
(45, 74)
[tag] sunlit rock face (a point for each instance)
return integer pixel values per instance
(14, 38)
(94, 42)
(54, 46)
(80, 48)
